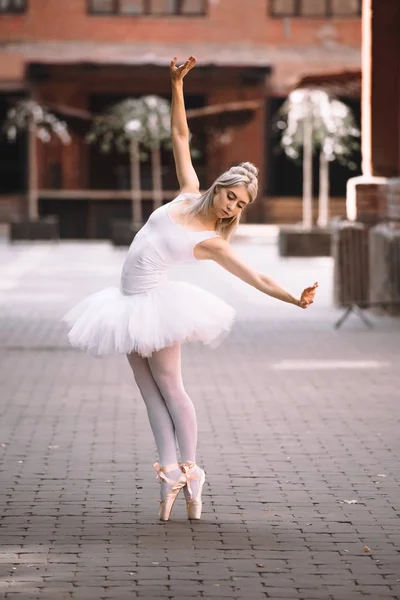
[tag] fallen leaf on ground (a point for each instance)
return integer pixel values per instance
(260, 564)
(366, 549)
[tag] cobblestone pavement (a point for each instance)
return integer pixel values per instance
(298, 433)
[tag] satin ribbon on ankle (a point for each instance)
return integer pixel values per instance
(161, 470)
(188, 469)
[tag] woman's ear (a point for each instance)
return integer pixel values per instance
(216, 189)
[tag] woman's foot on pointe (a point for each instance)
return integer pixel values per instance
(171, 485)
(195, 480)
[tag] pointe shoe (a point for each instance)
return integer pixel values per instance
(194, 505)
(167, 502)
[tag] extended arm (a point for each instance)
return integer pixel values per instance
(188, 180)
(221, 252)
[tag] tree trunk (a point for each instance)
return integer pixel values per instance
(136, 193)
(156, 176)
(307, 173)
(33, 192)
(323, 201)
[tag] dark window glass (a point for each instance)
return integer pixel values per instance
(193, 7)
(177, 7)
(163, 7)
(131, 7)
(12, 6)
(314, 8)
(283, 8)
(145, 7)
(346, 7)
(103, 6)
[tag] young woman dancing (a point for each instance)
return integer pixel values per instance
(149, 317)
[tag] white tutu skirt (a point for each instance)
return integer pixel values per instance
(110, 322)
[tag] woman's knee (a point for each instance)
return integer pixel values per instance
(165, 381)
(141, 372)
(166, 375)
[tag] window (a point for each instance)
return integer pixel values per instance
(315, 8)
(131, 7)
(12, 6)
(147, 7)
(346, 7)
(102, 6)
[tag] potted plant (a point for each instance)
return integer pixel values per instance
(39, 123)
(313, 121)
(134, 125)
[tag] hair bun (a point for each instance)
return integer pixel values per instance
(248, 166)
(246, 169)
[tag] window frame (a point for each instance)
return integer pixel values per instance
(116, 12)
(15, 11)
(328, 14)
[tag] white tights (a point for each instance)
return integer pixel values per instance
(170, 410)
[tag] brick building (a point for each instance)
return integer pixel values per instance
(82, 55)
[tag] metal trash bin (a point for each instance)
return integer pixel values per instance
(393, 199)
(385, 267)
(351, 264)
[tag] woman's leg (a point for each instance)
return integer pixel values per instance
(159, 416)
(165, 367)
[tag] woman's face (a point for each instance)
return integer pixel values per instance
(230, 201)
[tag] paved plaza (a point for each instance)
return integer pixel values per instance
(299, 434)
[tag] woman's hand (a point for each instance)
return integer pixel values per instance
(178, 73)
(307, 297)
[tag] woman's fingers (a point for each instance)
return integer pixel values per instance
(308, 295)
(189, 64)
(183, 69)
(311, 289)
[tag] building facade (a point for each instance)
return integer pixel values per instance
(79, 57)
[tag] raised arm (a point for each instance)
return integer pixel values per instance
(221, 252)
(188, 180)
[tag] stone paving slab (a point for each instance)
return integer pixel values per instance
(295, 419)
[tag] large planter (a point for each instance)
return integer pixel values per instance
(45, 228)
(122, 232)
(296, 241)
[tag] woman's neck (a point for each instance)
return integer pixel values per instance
(208, 221)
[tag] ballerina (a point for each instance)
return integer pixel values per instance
(148, 317)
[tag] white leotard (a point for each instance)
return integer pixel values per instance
(159, 244)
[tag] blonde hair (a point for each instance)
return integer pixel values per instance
(245, 174)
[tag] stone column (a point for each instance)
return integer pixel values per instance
(377, 192)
